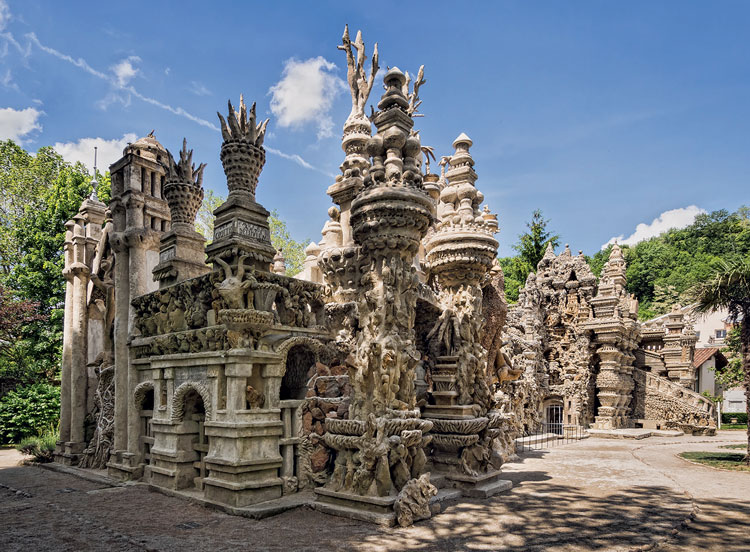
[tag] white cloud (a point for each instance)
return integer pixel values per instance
(125, 71)
(674, 218)
(305, 94)
(199, 89)
(16, 124)
(108, 151)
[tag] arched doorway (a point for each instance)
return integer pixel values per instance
(146, 414)
(193, 419)
(299, 360)
(143, 398)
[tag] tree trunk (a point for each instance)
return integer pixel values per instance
(745, 352)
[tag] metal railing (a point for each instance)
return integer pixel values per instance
(549, 435)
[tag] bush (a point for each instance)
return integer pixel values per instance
(726, 417)
(28, 412)
(41, 448)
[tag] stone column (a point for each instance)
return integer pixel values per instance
(121, 331)
(67, 355)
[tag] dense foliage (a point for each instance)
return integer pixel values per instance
(662, 270)
(28, 411)
(530, 246)
(42, 448)
(728, 288)
(732, 374)
(39, 193)
(727, 417)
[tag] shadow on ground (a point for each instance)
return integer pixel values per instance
(62, 512)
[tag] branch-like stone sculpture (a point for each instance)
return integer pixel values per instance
(360, 84)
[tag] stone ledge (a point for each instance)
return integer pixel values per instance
(255, 511)
(83, 473)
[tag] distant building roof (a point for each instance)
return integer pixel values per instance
(705, 353)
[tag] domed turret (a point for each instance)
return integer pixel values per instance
(147, 147)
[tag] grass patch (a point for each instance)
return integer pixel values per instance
(734, 426)
(741, 447)
(723, 460)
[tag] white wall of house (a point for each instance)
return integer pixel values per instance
(707, 326)
(707, 378)
(734, 400)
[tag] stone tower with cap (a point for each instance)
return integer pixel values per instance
(140, 216)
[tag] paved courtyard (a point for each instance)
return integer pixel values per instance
(596, 494)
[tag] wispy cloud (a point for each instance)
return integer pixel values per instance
(121, 92)
(8, 82)
(80, 62)
(199, 89)
(4, 14)
(297, 159)
(674, 218)
(18, 124)
(305, 94)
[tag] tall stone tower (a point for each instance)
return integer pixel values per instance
(140, 217)
(81, 237)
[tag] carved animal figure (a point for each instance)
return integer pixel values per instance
(233, 288)
(254, 398)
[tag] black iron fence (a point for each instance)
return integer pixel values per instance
(549, 435)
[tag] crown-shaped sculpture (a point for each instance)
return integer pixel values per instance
(242, 153)
(462, 248)
(183, 189)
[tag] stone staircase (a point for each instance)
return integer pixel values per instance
(662, 403)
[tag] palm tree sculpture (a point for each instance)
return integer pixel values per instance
(729, 288)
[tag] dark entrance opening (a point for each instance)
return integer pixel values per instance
(299, 360)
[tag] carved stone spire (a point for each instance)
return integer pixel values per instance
(241, 226)
(181, 249)
(463, 247)
(242, 153)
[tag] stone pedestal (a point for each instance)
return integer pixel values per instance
(241, 228)
(373, 509)
(180, 257)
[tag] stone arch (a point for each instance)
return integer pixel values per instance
(178, 401)
(140, 392)
(286, 345)
(298, 354)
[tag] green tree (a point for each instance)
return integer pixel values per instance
(531, 246)
(731, 375)
(204, 221)
(662, 270)
(729, 288)
(38, 195)
(293, 251)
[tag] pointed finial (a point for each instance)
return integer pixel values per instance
(94, 181)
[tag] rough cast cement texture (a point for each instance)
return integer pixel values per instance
(391, 361)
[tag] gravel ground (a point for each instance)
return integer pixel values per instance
(592, 495)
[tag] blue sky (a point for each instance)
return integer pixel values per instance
(604, 115)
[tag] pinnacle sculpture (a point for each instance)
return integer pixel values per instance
(241, 225)
(181, 253)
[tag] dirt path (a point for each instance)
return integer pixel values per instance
(594, 495)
